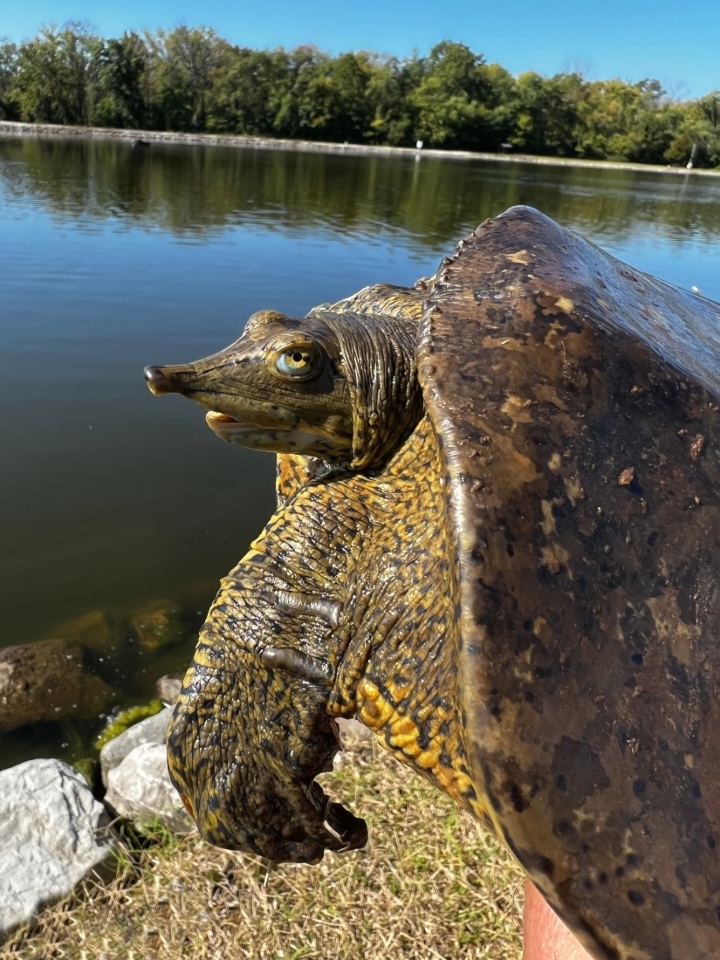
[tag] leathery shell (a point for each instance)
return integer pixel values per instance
(576, 404)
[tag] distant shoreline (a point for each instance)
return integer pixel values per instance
(53, 130)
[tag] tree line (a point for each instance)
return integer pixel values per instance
(191, 79)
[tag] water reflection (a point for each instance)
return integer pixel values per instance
(193, 191)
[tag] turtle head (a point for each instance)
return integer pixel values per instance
(338, 386)
(248, 778)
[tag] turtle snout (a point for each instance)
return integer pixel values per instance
(159, 381)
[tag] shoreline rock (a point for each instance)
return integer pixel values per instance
(48, 681)
(53, 832)
(148, 137)
(53, 829)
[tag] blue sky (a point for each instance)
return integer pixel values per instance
(675, 42)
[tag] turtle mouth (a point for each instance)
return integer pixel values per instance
(247, 433)
(225, 426)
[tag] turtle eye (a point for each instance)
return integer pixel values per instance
(297, 361)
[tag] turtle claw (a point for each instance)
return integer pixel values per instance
(348, 830)
(343, 830)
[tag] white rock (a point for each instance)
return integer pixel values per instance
(152, 730)
(52, 833)
(140, 789)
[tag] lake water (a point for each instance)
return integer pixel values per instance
(113, 501)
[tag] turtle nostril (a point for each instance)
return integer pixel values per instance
(157, 380)
(153, 374)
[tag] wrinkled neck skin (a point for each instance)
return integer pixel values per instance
(379, 364)
(331, 613)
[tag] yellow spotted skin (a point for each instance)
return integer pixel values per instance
(406, 630)
(403, 735)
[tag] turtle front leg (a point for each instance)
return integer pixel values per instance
(251, 731)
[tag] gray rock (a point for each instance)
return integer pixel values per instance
(140, 789)
(168, 687)
(134, 770)
(152, 730)
(48, 681)
(52, 833)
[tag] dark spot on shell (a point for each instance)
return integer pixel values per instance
(711, 842)
(510, 550)
(588, 771)
(639, 787)
(652, 538)
(561, 783)
(516, 798)
(620, 872)
(603, 878)
(632, 860)
(637, 658)
(564, 827)
(588, 884)
(695, 789)
(634, 896)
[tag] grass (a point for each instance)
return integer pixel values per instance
(431, 885)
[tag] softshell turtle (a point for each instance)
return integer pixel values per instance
(497, 545)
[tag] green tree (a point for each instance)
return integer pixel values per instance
(248, 91)
(449, 96)
(185, 61)
(389, 91)
(328, 97)
(55, 76)
(623, 121)
(8, 65)
(498, 111)
(123, 78)
(547, 114)
(698, 133)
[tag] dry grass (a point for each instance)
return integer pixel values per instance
(431, 884)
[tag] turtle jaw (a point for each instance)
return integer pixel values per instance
(248, 415)
(328, 443)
